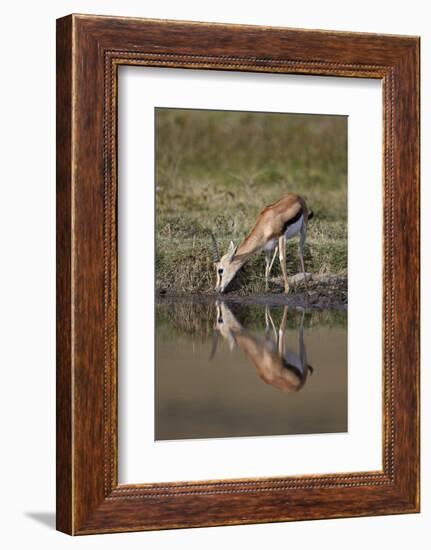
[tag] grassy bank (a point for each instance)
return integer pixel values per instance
(216, 170)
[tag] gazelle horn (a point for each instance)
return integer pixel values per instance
(216, 253)
(216, 335)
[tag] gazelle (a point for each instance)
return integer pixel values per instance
(275, 224)
(275, 364)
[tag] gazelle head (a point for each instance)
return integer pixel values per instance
(226, 324)
(226, 268)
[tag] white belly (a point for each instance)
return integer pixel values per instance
(290, 232)
(270, 245)
(294, 229)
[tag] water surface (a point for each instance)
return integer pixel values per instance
(232, 370)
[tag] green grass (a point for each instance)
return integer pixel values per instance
(216, 170)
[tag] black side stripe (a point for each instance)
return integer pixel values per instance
(293, 368)
(292, 220)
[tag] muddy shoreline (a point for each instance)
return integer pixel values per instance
(319, 293)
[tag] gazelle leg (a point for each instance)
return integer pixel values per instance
(281, 333)
(302, 236)
(272, 323)
(268, 265)
(282, 256)
(273, 258)
(302, 352)
(267, 268)
(266, 319)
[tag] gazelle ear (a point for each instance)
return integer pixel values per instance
(232, 250)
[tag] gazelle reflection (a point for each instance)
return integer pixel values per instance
(284, 369)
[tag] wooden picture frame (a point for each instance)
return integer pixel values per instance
(89, 51)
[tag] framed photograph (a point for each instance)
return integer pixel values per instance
(237, 274)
